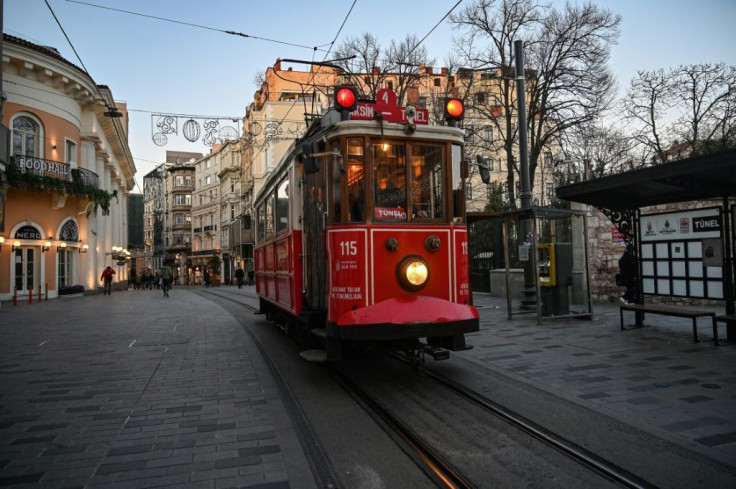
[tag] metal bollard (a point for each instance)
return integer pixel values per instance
(39, 293)
(15, 296)
(30, 294)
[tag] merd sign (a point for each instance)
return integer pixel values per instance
(385, 105)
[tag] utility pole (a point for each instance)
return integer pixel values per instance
(529, 301)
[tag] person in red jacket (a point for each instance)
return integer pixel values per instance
(106, 278)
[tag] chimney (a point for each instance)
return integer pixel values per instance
(277, 65)
(444, 71)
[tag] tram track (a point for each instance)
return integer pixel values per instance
(425, 456)
(431, 460)
(570, 449)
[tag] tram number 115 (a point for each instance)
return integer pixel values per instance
(348, 248)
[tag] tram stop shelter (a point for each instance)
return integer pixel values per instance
(546, 248)
(686, 253)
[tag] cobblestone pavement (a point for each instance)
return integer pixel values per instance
(137, 390)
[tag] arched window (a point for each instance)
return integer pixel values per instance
(26, 136)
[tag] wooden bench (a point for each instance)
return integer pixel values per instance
(725, 318)
(681, 312)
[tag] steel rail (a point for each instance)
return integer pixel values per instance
(433, 464)
(572, 450)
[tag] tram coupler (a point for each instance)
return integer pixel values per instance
(436, 352)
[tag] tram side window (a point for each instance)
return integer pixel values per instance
(262, 222)
(390, 180)
(336, 184)
(356, 191)
(269, 215)
(282, 206)
(458, 196)
(427, 182)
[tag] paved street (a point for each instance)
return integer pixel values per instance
(138, 390)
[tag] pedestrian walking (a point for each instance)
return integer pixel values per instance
(627, 274)
(239, 277)
(106, 279)
(166, 275)
(206, 278)
(251, 273)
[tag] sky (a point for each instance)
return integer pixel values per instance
(156, 66)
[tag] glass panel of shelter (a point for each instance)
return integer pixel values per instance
(559, 263)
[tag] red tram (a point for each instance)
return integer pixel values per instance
(361, 235)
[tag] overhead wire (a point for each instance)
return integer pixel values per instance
(110, 106)
(312, 74)
(200, 26)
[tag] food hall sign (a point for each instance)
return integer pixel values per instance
(56, 169)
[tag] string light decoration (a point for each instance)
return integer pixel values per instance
(208, 130)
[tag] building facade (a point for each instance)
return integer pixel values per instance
(63, 215)
(179, 185)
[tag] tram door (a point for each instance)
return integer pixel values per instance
(314, 205)
(25, 269)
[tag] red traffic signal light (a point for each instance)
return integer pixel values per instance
(454, 111)
(346, 100)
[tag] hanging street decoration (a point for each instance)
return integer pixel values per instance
(208, 130)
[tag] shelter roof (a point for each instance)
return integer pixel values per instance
(700, 177)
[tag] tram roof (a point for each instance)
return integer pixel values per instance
(700, 177)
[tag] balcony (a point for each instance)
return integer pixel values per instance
(31, 165)
(197, 230)
(210, 229)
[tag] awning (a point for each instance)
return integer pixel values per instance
(701, 177)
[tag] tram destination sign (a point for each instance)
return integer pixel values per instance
(386, 107)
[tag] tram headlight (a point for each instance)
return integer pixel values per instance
(412, 273)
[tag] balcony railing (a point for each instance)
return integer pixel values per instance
(55, 169)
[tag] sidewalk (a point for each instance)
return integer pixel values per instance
(116, 391)
(654, 378)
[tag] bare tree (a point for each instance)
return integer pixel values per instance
(707, 94)
(372, 65)
(647, 104)
(361, 60)
(569, 82)
(681, 111)
(592, 151)
(489, 29)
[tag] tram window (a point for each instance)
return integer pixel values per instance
(427, 182)
(336, 184)
(262, 222)
(457, 182)
(390, 181)
(269, 215)
(356, 191)
(282, 206)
